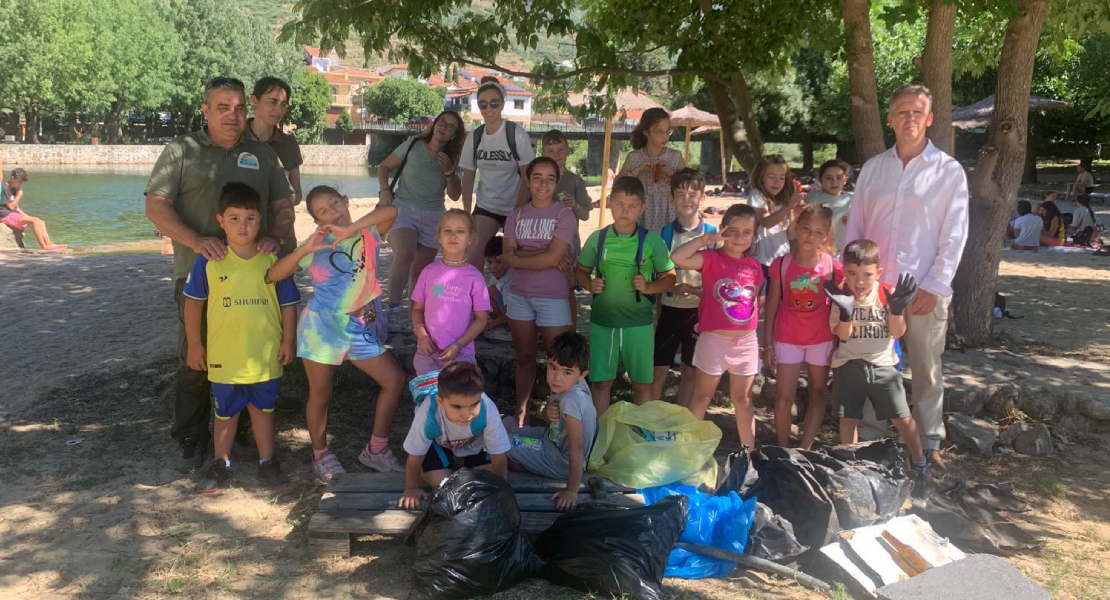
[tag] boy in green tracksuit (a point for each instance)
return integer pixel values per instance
(634, 266)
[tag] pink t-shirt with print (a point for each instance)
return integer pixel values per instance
(533, 229)
(803, 315)
(450, 296)
(730, 292)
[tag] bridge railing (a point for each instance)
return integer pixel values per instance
(589, 127)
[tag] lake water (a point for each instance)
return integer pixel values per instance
(90, 205)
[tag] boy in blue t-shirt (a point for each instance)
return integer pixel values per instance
(250, 327)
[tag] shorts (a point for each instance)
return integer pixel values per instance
(857, 381)
(481, 212)
(15, 221)
(633, 345)
(439, 458)
(718, 353)
(546, 312)
(678, 327)
(529, 448)
(232, 398)
(424, 222)
(424, 363)
(815, 355)
(500, 303)
(331, 338)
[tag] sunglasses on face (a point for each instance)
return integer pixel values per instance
(483, 105)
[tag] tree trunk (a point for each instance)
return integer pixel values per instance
(994, 183)
(1029, 173)
(807, 153)
(867, 127)
(938, 71)
(32, 136)
(736, 131)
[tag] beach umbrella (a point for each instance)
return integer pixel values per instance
(978, 115)
(691, 118)
(628, 101)
(721, 137)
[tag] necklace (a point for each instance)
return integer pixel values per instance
(258, 137)
(454, 263)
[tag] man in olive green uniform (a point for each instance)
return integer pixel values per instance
(182, 199)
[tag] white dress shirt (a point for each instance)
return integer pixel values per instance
(917, 214)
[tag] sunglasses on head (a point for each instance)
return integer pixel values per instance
(483, 105)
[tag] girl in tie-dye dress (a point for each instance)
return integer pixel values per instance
(341, 322)
(732, 289)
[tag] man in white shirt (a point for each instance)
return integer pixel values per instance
(912, 200)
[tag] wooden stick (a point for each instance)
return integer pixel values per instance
(752, 562)
(724, 167)
(689, 130)
(605, 170)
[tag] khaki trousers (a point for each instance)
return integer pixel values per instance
(923, 343)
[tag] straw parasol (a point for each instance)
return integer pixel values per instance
(626, 100)
(979, 114)
(690, 118)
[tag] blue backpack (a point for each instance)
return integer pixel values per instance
(641, 235)
(425, 387)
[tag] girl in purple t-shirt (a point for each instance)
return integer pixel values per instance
(450, 302)
(728, 314)
(537, 237)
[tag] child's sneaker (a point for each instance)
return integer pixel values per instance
(498, 335)
(327, 467)
(383, 462)
(217, 478)
(270, 473)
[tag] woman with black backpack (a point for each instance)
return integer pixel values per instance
(425, 168)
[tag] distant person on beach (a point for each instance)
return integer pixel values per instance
(1053, 233)
(653, 163)
(11, 194)
(269, 102)
(500, 151)
(182, 200)
(912, 201)
(425, 169)
(1026, 228)
(1084, 183)
(250, 336)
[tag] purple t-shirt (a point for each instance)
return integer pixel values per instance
(450, 296)
(534, 228)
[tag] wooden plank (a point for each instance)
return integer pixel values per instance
(395, 482)
(606, 148)
(329, 543)
(399, 522)
(534, 502)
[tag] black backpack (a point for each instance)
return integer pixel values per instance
(510, 138)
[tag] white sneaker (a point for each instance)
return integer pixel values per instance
(498, 335)
(327, 467)
(384, 462)
(393, 318)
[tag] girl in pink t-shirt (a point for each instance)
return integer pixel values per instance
(450, 302)
(728, 313)
(797, 321)
(537, 236)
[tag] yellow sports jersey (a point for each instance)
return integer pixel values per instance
(244, 316)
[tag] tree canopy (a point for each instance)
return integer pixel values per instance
(401, 99)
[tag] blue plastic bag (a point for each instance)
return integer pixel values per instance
(717, 521)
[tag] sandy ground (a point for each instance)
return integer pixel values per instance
(90, 508)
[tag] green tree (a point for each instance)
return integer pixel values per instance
(308, 105)
(344, 124)
(401, 99)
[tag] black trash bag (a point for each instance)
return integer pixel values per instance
(737, 474)
(864, 492)
(787, 485)
(468, 541)
(772, 537)
(613, 551)
(885, 452)
(969, 516)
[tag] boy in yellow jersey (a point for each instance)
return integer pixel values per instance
(251, 332)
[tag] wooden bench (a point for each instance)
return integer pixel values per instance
(366, 504)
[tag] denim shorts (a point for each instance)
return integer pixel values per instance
(546, 312)
(424, 222)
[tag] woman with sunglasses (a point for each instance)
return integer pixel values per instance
(427, 168)
(504, 182)
(653, 163)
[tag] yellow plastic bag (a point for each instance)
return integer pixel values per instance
(655, 444)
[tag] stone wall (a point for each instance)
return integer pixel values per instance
(13, 155)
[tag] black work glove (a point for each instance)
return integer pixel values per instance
(897, 300)
(845, 301)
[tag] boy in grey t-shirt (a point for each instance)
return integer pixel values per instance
(562, 448)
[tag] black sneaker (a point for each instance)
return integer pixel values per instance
(217, 478)
(271, 474)
(193, 454)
